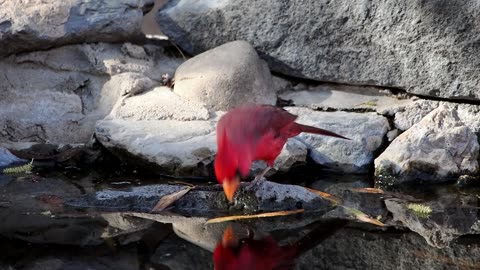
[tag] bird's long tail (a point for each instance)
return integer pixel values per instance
(315, 130)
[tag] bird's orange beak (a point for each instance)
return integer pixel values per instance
(230, 186)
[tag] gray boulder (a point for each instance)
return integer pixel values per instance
(436, 148)
(426, 47)
(57, 95)
(159, 104)
(366, 131)
(36, 25)
(160, 127)
(178, 147)
(225, 77)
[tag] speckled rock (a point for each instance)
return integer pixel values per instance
(436, 148)
(366, 131)
(158, 104)
(39, 24)
(425, 47)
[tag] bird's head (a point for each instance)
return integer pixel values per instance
(226, 167)
(231, 164)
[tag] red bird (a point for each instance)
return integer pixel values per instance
(266, 253)
(253, 132)
(249, 253)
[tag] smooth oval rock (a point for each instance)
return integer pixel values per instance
(225, 77)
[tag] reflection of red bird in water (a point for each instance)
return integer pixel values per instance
(255, 132)
(249, 253)
(264, 254)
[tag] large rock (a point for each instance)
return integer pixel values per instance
(362, 249)
(159, 104)
(366, 131)
(175, 253)
(441, 227)
(57, 95)
(28, 256)
(427, 47)
(226, 77)
(35, 212)
(205, 201)
(160, 127)
(178, 147)
(438, 147)
(33, 25)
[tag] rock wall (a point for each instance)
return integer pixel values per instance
(425, 47)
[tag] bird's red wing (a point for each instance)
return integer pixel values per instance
(254, 121)
(271, 119)
(241, 130)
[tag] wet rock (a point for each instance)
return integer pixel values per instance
(32, 209)
(342, 97)
(196, 231)
(366, 131)
(37, 25)
(84, 82)
(207, 201)
(387, 43)
(439, 228)
(73, 154)
(361, 249)
(438, 147)
(225, 77)
(7, 158)
(23, 255)
(177, 147)
(176, 253)
(159, 104)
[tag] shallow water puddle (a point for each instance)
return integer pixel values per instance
(440, 225)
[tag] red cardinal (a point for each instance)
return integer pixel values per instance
(265, 253)
(262, 254)
(253, 132)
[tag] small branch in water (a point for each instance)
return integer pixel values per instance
(262, 215)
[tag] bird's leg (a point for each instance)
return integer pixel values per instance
(259, 177)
